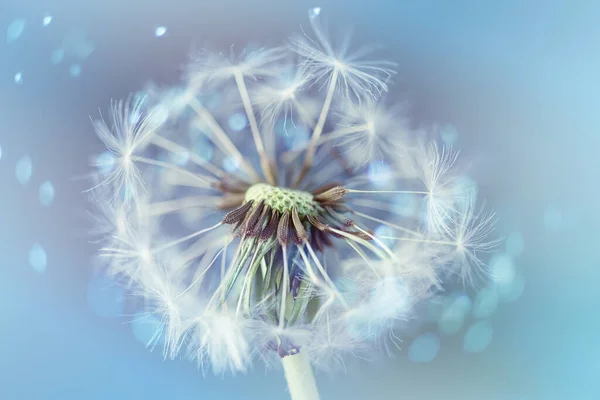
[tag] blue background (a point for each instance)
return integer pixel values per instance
(520, 81)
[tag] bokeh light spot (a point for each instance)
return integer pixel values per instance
(57, 56)
(237, 122)
(47, 19)
(502, 269)
(24, 169)
(46, 193)
(160, 31)
(478, 337)
(105, 297)
(14, 30)
(515, 244)
(148, 329)
(511, 291)
(295, 137)
(456, 309)
(105, 162)
(37, 258)
(204, 149)
(486, 303)
(449, 135)
(379, 173)
(18, 78)
(231, 164)
(424, 348)
(75, 70)
(314, 12)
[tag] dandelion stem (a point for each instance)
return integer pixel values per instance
(299, 376)
(312, 146)
(260, 148)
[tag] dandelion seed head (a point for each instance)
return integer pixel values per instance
(263, 208)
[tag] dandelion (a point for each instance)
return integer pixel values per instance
(248, 250)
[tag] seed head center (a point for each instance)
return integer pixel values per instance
(283, 199)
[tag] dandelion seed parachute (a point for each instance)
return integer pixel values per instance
(246, 249)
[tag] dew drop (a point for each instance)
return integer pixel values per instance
(15, 29)
(57, 56)
(18, 78)
(237, 122)
(105, 297)
(24, 169)
(75, 70)
(37, 258)
(160, 31)
(478, 337)
(314, 12)
(424, 348)
(46, 193)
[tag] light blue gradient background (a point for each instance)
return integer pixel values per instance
(519, 79)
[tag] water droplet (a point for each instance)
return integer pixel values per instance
(160, 31)
(237, 122)
(24, 169)
(46, 193)
(314, 12)
(75, 70)
(478, 337)
(47, 19)
(148, 329)
(486, 303)
(553, 219)
(37, 258)
(424, 348)
(515, 244)
(15, 29)
(19, 78)
(105, 297)
(57, 56)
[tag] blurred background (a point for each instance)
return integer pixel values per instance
(514, 84)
